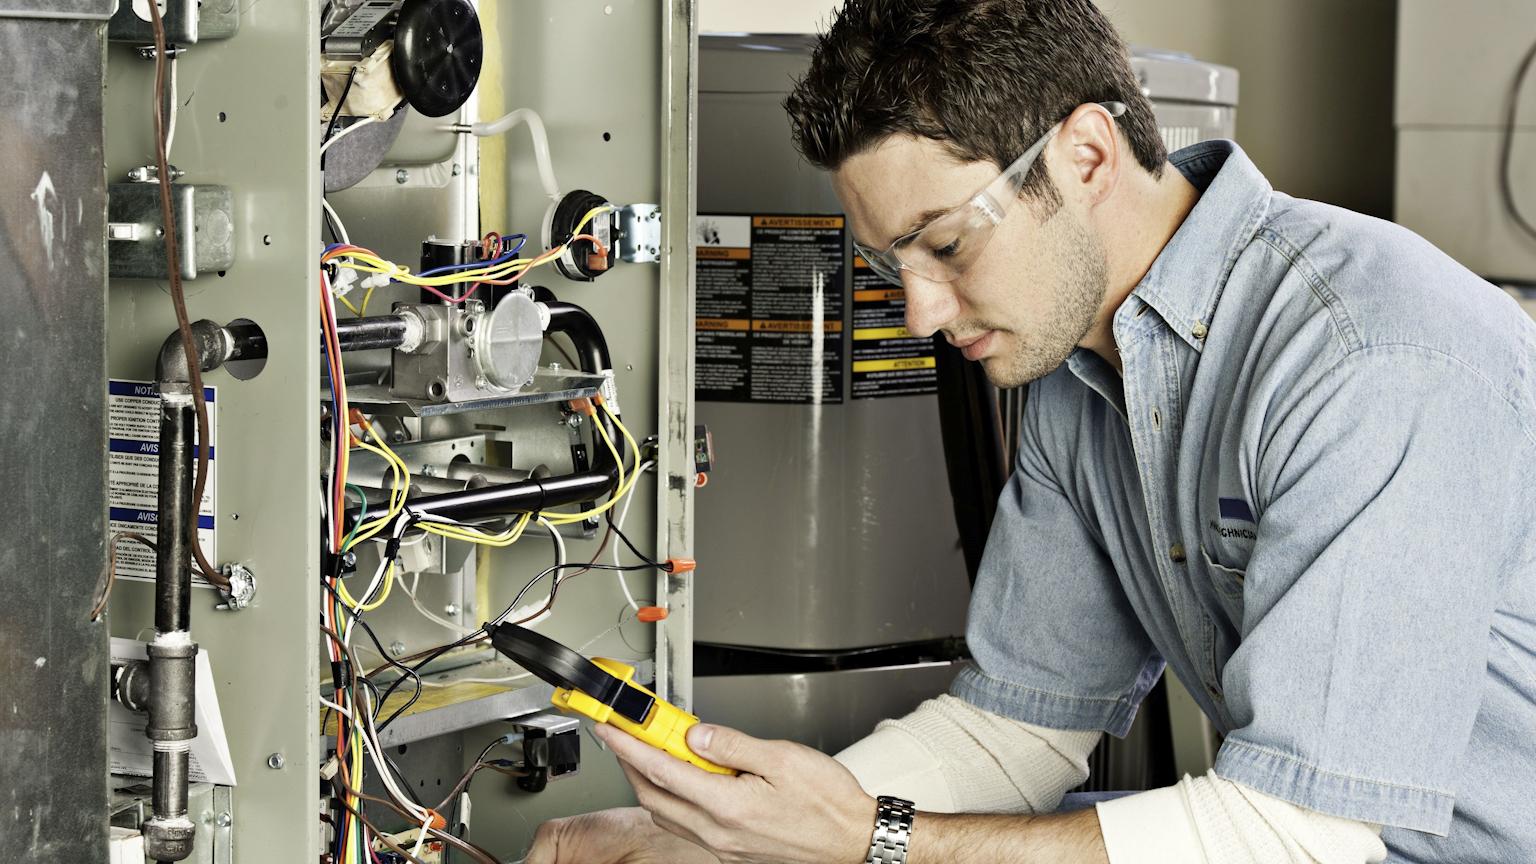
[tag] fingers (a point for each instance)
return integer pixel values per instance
(668, 811)
(723, 745)
(546, 844)
(663, 769)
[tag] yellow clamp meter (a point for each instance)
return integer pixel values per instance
(603, 690)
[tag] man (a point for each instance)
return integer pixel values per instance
(1283, 447)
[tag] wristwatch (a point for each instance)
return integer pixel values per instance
(893, 830)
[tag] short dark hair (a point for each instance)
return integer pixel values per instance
(984, 77)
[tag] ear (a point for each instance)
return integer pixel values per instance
(1091, 147)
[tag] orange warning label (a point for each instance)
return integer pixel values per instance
(723, 253)
(796, 326)
(797, 222)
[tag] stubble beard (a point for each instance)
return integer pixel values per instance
(1038, 351)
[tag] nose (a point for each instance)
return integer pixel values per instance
(931, 306)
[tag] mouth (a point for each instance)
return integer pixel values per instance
(975, 347)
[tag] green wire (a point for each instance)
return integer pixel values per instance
(360, 516)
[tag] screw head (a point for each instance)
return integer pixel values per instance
(224, 820)
(397, 647)
(457, 169)
(275, 761)
(573, 421)
(402, 176)
(554, 367)
(451, 609)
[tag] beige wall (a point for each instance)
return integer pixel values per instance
(1316, 97)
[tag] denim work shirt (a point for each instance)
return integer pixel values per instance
(1311, 493)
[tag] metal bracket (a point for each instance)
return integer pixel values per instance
(640, 233)
(186, 21)
(135, 233)
(361, 30)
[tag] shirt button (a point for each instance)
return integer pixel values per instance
(1176, 552)
(1199, 330)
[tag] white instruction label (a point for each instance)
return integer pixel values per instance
(133, 474)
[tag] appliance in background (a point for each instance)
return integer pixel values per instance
(856, 470)
(1466, 134)
(832, 590)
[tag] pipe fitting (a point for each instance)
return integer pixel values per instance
(213, 345)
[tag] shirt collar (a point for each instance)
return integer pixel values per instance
(1185, 283)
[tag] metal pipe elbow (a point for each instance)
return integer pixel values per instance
(211, 342)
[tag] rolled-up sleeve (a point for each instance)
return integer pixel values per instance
(1053, 635)
(1396, 496)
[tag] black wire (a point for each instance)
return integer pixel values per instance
(555, 587)
(663, 566)
(406, 671)
(1506, 186)
(336, 114)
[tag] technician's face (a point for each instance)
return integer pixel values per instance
(1029, 297)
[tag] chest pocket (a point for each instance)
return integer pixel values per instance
(1226, 583)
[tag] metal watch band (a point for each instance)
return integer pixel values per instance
(893, 831)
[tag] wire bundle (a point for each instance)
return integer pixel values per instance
(506, 268)
(356, 701)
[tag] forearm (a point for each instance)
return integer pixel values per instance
(949, 756)
(1066, 838)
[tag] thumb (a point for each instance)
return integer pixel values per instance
(545, 845)
(731, 748)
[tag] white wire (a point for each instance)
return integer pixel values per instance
(559, 542)
(345, 712)
(619, 525)
(540, 143)
(371, 744)
(329, 142)
(441, 622)
(170, 124)
(341, 229)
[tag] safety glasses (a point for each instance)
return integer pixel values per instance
(947, 246)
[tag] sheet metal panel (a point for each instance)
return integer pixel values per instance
(53, 660)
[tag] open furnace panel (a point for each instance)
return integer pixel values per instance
(435, 268)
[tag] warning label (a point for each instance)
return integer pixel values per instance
(769, 308)
(887, 360)
(133, 474)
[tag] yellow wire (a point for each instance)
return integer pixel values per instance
(628, 439)
(400, 484)
(619, 490)
(348, 303)
(366, 297)
(476, 536)
(372, 263)
(346, 596)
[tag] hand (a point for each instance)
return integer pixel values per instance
(791, 804)
(626, 836)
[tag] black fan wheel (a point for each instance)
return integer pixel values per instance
(438, 53)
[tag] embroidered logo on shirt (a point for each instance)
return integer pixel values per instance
(1235, 510)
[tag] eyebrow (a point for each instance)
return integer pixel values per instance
(923, 220)
(918, 224)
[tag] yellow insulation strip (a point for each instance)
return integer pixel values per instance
(494, 214)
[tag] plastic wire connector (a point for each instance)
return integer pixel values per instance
(650, 614)
(680, 565)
